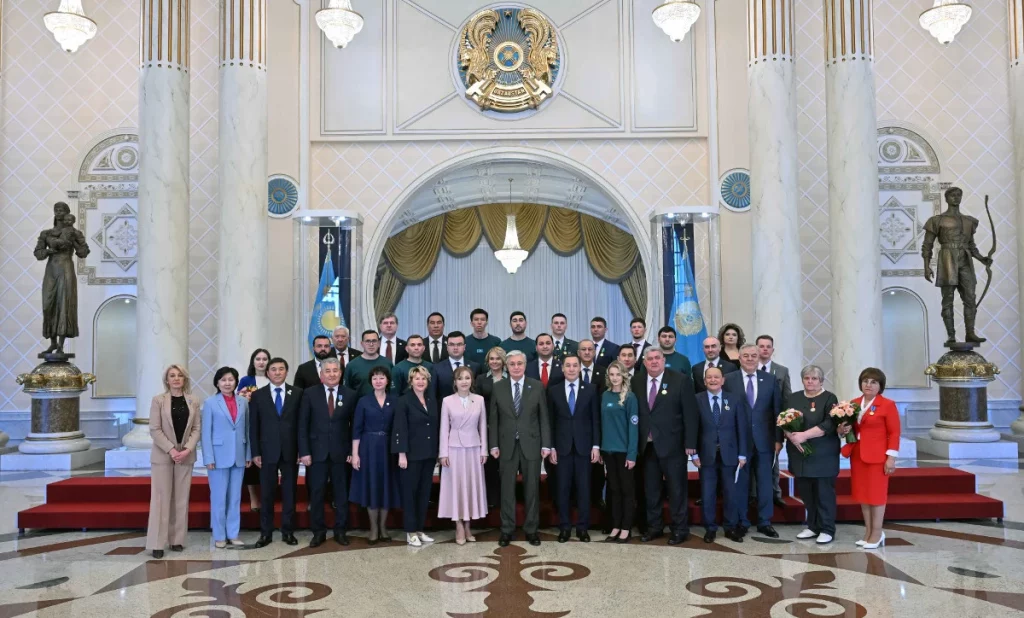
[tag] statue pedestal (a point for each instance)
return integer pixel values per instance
(55, 387)
(1016, 434)
(963, 430)
(138, 438)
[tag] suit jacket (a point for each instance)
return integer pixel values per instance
(569, 346)
(581, 429)
(765, 411)
(608, 352)
(596, 377)
(399, 352)
(428, 354)
(698, 372)
(640, 354)
(729, 436)
(161, 429)
(463, 427)
(306, 375)
(321, 434)
(273, 437)
(350, 353)
(673, 421)
(532, 425)
(442, 379)
(225, 443)
(877, 433)
(554, 370)
(781, 373)
(415, 430)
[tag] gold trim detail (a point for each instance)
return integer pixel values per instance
(848, 22)
(243, 33)
(164, 34)
(770, 31)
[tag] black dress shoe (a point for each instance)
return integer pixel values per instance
(158, 553)
(583, 536)
(177, 548)
(779, 502)
(504, 540)
(610, 538)
(734, 535)
(623, 541)
(699, 501)
(341, 538)
(563, 536)
(678, 538)
(384, 539)
(768, 531)
(533, 539)
(264, 541)
(650, 536)
(318, 540)
(289, 539)
(709, 536)
(742, 530)
(372, 541)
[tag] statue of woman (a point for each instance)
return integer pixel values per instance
(60, 284)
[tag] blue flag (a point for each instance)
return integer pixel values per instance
(686, 316)
(326, 316)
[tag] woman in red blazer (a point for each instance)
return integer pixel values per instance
(873, 455)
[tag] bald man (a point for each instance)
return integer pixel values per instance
(712, 358)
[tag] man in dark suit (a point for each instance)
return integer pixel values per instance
(712, 358)
(308, 373)
(563, 345)
(638, 330)
(519, 432)
(273, 436)
(668, 436)
(391, 347)
(437, 343)
(442, 374)
(722, 447)
(764, 398)
(547, 367)
(342, 350)
(604, 351)
(765, 351)
(325, 448)
(590, 372)
(574, 409)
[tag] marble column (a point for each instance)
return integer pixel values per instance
(163, 203)
(242, 270)
(773, 177)
(1016, 44)
(852, 191)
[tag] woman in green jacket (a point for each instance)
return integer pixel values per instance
(619, 443)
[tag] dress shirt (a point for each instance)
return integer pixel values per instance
(559, 344)
(327, 392)
(745, 376)
(766, 366)
(721, 407)
(590, 371)
(429, 354)
(709, 363)
(576, 387)
(597, 348)
(384, 347)
(461, 363)
(651, 380)
(317, 361)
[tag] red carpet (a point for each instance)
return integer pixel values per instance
(100, 503)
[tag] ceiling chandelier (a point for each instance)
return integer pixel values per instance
(511, 255)
(69, 25)
(676, 17)
(339, 22)
(945, 19)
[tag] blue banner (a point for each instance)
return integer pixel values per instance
(685, 315)
(326, 314)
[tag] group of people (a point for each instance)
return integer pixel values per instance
(371, 425)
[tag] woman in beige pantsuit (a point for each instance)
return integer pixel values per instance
(174, 424)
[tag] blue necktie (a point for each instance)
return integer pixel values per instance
(572, 399)
(586, 375)
(278, 402)
(517, 400)
(750, 390)
(716, 411)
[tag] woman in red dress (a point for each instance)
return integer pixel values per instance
(873, 455)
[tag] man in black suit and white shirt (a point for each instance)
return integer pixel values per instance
(563, 345)
(391, 347)
(604, 351)
(308, 373)
(437, 343)
(442, 374)
(638, 329)
(765, 351)
(273, 436)
(590, 371)
(712, 358)
(342, 350)
(547, 367)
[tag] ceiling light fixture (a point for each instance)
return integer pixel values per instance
(676, 17)
(945, 19)
(69, 25)
(339, 22)
(511, 255)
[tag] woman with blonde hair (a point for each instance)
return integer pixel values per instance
(414, 440)
(175, 426)
(619, 444)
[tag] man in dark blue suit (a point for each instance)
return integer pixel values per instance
(442, 373)
(325, 447)
(273, 436)
(763, 395)
(722, 447)
(547, 367)
(574, 410)
(604, 351)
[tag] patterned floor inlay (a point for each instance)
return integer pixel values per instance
(45, 584)
(272, 600)
(18, 609)
(970, 573)
(1013, 600)
(156, 570)
(96, 540)
(863, 562)
(960, 536)
(804, 595)
(125, 551)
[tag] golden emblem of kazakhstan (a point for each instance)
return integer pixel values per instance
(508, 59)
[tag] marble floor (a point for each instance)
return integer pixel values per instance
(929, 569)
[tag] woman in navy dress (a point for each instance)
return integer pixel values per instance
(374, 469)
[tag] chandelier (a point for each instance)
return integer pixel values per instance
(339, 22)
(69, 25)
(945, 19)
(511, 255)
(676, 17)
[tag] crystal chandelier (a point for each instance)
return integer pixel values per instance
(676, 17)
(511, 255)
(69, 25)
(945, 19)
(339, 22)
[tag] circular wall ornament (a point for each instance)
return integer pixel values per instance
(734, 189)
(126, 158)
(282, 196)
(890, 150)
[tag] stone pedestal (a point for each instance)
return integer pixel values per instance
(16, 462)
(1016, 434)
(55, 387)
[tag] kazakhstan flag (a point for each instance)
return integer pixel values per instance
(686, 316)
(326, 316)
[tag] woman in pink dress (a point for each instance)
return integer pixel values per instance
(463, 453)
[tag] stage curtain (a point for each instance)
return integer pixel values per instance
(612, 252)
(412, 253)
(562, 232)
(530, 220)
(387, 291)
(634, 290)
(462, 231)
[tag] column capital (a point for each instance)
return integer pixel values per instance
(1015, 13)
(164, 30)
(243, 34)
(770, 32)
(849, 31)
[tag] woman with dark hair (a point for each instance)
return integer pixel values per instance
(225, 444)
(374, 473)
(255, 378)
(463, 452)
(732, 339)
(873, 455)
(414, 440)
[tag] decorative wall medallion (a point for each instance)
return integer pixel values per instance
(107, 195)
(508, 59)
(735, 190)
(127, 158)
(119, 237)
(899, 230)
(891, 150)
(282, 196)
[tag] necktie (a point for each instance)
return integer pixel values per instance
(544, 374)
(652, 395)
(517, 400)
(341, 361)
(572, 399)
(586, 375)
(764, 367)
(278, 402)
(330, 402)
(716, 411)
(436, 353)
(388, 352)
(457, 363)
(750, 389)
(636, 350)
(558, 346)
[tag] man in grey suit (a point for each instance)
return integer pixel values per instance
(519, 432)
(765, 351)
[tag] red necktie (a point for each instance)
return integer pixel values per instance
(341, 360)
(388, 353)
(544, 374)
(330, 401)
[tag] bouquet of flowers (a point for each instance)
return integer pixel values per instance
(791, 421)
(845, 413)
(247, 391)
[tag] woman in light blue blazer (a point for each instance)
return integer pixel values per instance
(225, 446)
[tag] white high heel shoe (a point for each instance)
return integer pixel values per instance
(860, 543)
(880, 543)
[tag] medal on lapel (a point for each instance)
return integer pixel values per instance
(872, 410)
(812, 406)
(726, 406)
